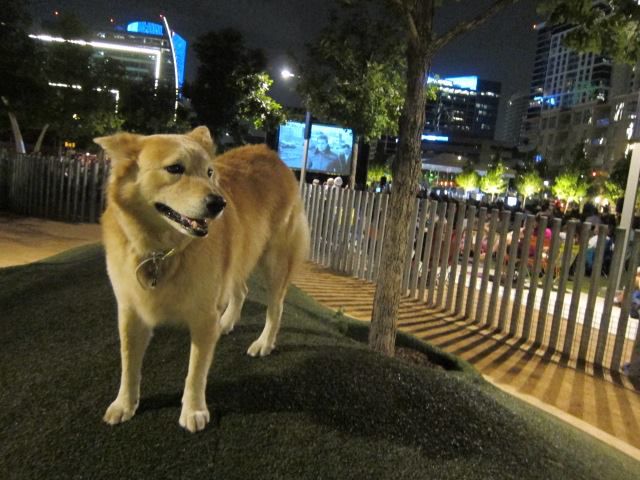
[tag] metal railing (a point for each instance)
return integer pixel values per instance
(488, 267)
(493, 269)
(60, 188)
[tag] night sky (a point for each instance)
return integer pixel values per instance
(501, 50)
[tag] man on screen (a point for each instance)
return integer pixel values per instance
(322, 157)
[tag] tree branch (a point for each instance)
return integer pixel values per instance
(414, 36)
(470, 24)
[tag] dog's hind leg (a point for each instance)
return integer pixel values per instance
(266, 342)
(278, 264)
(134, 339)
(234, 308)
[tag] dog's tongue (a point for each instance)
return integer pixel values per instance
(199, 227)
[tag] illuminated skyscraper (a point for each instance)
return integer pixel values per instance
(578, 101)
(147, 50)
(465, 106)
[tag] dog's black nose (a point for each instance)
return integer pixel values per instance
(215, 204)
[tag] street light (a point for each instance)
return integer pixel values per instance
(286, 74)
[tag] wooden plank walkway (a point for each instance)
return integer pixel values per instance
(609, 403)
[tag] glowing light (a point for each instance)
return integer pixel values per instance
(148, 28)
(107, 46)
(467, 82)
(286, 73)
(64, 85)
(175, 65)
(435, 138)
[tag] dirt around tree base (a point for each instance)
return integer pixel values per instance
(416, 358)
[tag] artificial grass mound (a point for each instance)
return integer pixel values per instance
(321, 406)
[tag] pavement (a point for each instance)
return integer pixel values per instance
(25, 239)
(603, 405)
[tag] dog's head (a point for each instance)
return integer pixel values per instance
(167, 179)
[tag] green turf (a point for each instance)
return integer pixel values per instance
(322, 406)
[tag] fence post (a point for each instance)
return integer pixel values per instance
(406, 272)
(471, 290)
(362, 233)
(562, 286)
(505, 220)
(346, 234)
(317, 226)
(426, 254)
(552, 258)
(366, 236)
(486, 268)
(455, 254)
(385, 210)
(353, 231)
(596, 273)
(341, 217)
(327, 207)
(435, 255)
(464, 266)
(617, 263)
(535, 275)
(376, 234)
(572, 319)
(422, 220)
(621, 331)
(444, 257)
(511, 267)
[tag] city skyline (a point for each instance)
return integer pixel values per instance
(502, 50)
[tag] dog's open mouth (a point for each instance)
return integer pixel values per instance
(194, 226)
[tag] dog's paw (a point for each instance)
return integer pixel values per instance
(226, 328)
(260, 348)
(119, 412)
(194, 420)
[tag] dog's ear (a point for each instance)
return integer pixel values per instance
(203, 137)
(121, 146)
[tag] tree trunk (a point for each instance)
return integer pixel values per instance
(406, 169)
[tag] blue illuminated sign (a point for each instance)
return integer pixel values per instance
(148, 28)
(548, 100)
(468, 82)
(435, 138)
(180, 48)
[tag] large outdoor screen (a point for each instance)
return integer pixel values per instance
(329, 148)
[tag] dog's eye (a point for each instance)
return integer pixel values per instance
(210, 172)
(176, 169)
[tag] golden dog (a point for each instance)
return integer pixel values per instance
(183, 230)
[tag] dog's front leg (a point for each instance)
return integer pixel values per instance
(195, 415)
(134, 338)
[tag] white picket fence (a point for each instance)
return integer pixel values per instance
(524, 289)
(60, 188)
(520, 289)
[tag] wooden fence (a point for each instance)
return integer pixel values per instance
(462, 261)
(60, 188)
